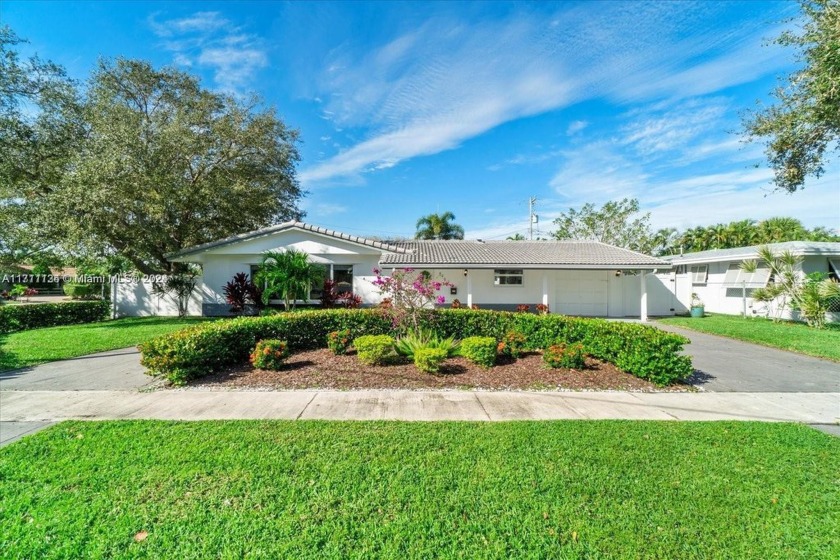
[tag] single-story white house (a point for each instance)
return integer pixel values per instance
(584, 278)
(717, 279)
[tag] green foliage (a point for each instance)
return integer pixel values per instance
(805, 123)
(812, 296)
(213, 346)
(408, 344)
(314, 489)
(438, 226)
(604, 340)
(480, 350)
(288, 274)
(269, 354)
(568, 356)
(37, 315)
(142, 161)
(614, 223)
(429, 359)
(78, 290)
(512, 344)
(374, 349)
(210, 347)
(339, 342)
(28, 348)
(787, 335)
(741, 233)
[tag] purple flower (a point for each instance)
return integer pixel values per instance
(441, 299)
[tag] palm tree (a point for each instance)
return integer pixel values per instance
(716, 236)
(288, 274)
(742, 233)
(516, 237)
(438, 226)
(776, 230)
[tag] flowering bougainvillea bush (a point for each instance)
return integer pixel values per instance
(409, 293)
(269, 354)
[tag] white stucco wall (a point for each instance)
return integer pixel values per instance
(137, 299)
(729, 300)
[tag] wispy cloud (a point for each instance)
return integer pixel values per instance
(207, 39)
(436, 87)
(575, 127)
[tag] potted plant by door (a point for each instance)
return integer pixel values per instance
(697, 306)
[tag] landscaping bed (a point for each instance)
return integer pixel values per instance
(321, 369)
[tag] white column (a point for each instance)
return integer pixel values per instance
(644, 311)
(545, 288)
(469, 290)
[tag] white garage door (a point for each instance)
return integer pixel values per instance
(582, 292)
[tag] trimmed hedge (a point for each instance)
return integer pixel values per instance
(39, 315)
(209, 347)
(641, 350)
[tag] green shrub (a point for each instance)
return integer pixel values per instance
(480, 350)
(641, 350)
(408, 344)
(339, 341)
(513, 344)
(213, 346)
(77, 290)
(429, 359)
(569, 356)
(270, 354)
(38, 315)
(373, 349)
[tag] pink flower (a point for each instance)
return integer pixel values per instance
(441, 299)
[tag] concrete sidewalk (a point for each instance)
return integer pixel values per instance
(48, 406)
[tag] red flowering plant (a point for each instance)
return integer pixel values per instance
(409, 293)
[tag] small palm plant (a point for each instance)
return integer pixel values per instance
(288, 274)
(811, 295)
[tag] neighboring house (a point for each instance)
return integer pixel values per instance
(716, 275)
(571, 277)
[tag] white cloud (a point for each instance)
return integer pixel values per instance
(206, 39)
(446, 82)
(575, 127)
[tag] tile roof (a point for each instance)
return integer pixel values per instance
(535, 254)
(281, 227)
(739, 253)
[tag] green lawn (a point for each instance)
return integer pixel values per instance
(796, 337)
(26, 348)
(279, 489)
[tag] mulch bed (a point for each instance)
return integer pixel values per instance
(321, 369)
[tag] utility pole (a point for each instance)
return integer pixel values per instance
(532, 218)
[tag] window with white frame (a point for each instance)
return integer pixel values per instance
(507, 277)
(699, 274)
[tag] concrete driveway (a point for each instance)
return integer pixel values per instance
(727, 365)
(115, 370)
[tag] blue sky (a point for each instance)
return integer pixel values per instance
(410, 108)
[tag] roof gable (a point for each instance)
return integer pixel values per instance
(267, 233)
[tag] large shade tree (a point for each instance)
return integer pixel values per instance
(803, 127)
(438, 226)
(617, 223)
(167, 164)
(40, 127)
(139, 162)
